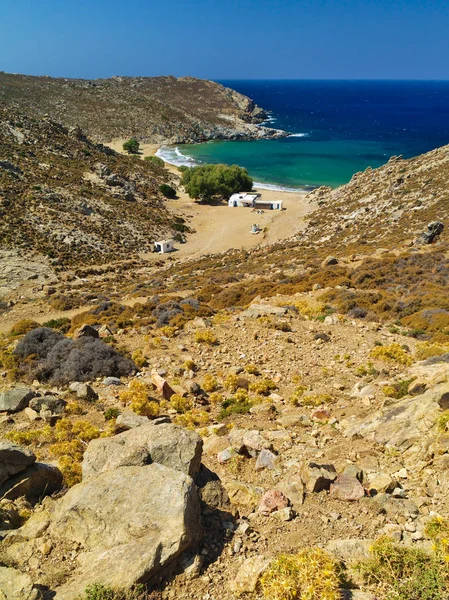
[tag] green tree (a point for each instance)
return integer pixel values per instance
(207, 182)
(131, 146)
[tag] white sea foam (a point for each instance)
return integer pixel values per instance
(278, 188)
(298, 135)
(270, 119)
(174, 156)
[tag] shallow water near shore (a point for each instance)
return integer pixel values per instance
(337, 129)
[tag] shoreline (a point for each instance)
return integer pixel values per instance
(269, 190)
(190, 162)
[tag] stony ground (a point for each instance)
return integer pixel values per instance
(344, 388)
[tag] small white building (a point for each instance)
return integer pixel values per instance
(164, 246)
(269, 204)
(254, 201)
(243, 199)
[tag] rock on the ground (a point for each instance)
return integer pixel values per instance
(13, 459)
(86, 331)
(381, 483)
(266, 460)
(15, 399)
(166, 444)
(83, 391)
(35, 482)
(112, 381)
(248, 575)
(272, 501)
(255, 311)
(15, 585)
(350, 550)
(162, 386)
(317, 477)
(242, 495)
(48, 403)
(292, 486)
(128, 524)
(405, 424)
(346, 487)
(129, 420)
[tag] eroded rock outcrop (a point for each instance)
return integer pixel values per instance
(124, 522)
(166, 444)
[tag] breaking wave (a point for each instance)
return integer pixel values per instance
(174, 156)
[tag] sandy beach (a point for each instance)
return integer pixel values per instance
(219, 228)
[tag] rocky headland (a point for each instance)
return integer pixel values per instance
(159, 110)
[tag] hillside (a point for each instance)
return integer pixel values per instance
(153, 109)
(72, 200)
(289, 403)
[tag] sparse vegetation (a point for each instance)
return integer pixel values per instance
(263, 387)
(181, 404)
(98, 591)
(53, 357)
(167, 190)
(311, 574)
(397, 572)
(398, 390)
(131, 146)
(209, 383)
(156, 160)
(193, 418)
(138, 397)
(23, 327)
(206, 337)
(393, 353)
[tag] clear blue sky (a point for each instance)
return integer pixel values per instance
(230, 39)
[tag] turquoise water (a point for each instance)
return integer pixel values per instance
(290, 164)
(337, 129)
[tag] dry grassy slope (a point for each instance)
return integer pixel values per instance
(382, 207)
(154, 109)
(55, 198)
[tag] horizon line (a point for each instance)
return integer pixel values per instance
(218, 79)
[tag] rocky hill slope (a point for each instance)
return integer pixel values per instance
(290, 405)
(153, 109)
(71, 199)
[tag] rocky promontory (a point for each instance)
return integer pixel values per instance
(160, 110)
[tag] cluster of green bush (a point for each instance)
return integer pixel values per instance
(207, 182)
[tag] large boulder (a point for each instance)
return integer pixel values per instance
(15, 399)
(15, 585)
(164, 443)
(33, 483)
(127, 524)
(13, 459)
(405, 424)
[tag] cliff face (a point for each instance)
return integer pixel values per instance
(153, 109)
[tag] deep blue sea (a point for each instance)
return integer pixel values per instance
(337, 128)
